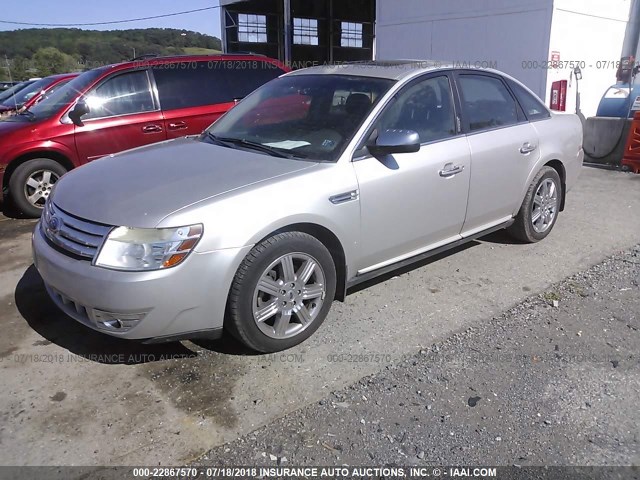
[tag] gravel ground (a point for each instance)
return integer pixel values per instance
(553, 381)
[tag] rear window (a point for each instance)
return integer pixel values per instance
(532, 106)
(194, 84)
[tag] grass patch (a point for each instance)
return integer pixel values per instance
(200, 51)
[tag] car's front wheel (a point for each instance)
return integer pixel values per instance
(32, 182)
(540, 208)
(282, 292)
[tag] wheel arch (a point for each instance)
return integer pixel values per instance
(330, 241)
(558, 166)
(61, 158)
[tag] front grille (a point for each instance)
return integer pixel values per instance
(72, 234)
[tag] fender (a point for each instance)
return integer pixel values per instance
(42, 147)
(534, 171)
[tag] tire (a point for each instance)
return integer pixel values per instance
(527, 227)
(285, 309)
(31, 183)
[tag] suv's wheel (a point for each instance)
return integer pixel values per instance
(540, 208)
(31, 184)
(282, 292)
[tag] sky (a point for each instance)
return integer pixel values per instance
(88, 11)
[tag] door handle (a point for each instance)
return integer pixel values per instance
(151, 129)
(177, 126)
(527, 148)
(449, 170)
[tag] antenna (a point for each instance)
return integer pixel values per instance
(11, 80)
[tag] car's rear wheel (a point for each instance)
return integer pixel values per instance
(540, 208)
(282, 292)
(31, 183)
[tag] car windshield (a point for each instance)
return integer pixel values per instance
(7, 94)
(28, 93)
(62, 97)
(302, 116)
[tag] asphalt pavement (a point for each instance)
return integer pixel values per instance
(72, 396)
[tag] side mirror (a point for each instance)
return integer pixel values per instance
(78, 112)
(395, 141)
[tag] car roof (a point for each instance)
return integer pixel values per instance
(149, 61)
(61, 76)
(390, 69)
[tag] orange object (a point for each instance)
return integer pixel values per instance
(631, 158)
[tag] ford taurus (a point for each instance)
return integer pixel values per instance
(319, 180)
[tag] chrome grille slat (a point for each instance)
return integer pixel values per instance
(82, 225)
(71, 234)
(80, 237)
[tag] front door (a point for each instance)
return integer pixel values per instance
(122, 115)
(414, 202)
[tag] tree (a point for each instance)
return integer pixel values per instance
(50, 60)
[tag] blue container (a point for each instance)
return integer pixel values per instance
(616, 101)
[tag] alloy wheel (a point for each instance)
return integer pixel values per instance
(38, 187)
(289, 295)
(545, 206)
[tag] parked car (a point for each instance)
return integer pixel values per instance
(32, 94)
(10, 92)
(118, 107)
(257, 226)
(7, 85)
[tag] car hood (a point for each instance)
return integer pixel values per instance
(7, 127)
(140, 187)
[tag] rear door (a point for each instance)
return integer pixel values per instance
(123, 115)
(504, 149)
(193, 95)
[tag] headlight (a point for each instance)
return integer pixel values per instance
(148, 248)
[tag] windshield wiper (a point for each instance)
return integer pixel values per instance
(28, 113)
(225, 141)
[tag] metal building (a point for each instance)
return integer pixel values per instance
(300, 32)
(540, 42)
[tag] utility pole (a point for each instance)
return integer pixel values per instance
(630, 44)
(288, 37)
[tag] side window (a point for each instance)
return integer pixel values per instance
(121, 95)
(425, 107)
(487, 102)
(247, 76)
(185, 85)
(532, 106)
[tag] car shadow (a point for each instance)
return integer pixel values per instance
(11, 211)
(47, 320)
(410, 268)
(501, 237)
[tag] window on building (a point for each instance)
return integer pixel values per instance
(351, 35)
(252, 28)
(305, 31)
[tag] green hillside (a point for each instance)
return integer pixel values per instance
(40, 52)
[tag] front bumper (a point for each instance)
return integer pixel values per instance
(180, 302)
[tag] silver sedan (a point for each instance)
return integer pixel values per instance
(318, 181)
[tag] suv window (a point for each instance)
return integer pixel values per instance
(191, 84)
(425, 107)
(487, 102)
(532, 106)
(121, 95)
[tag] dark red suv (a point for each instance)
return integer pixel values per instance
(118, 107)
